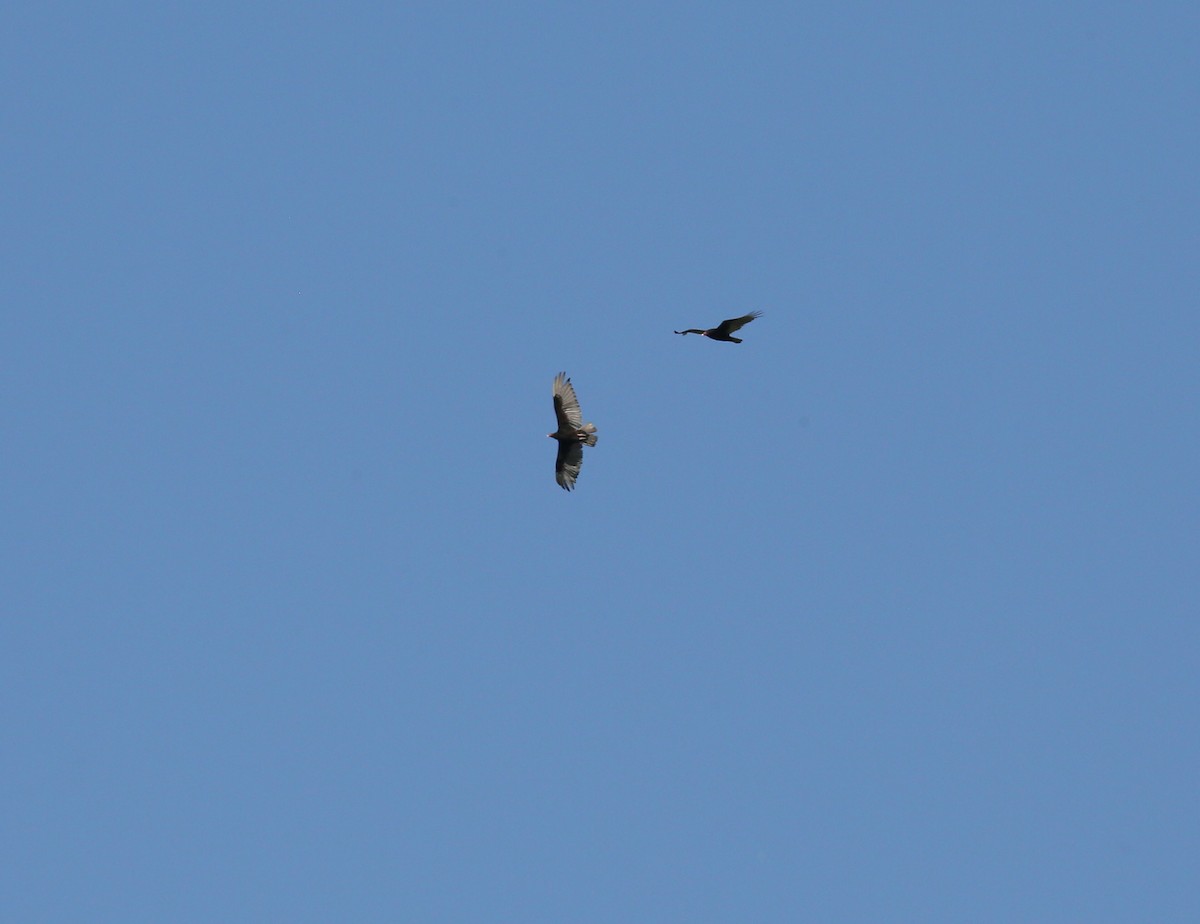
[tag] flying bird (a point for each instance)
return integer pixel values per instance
(725, 329)
(572, 433)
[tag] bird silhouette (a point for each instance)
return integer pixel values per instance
(572, 433)
(725, 329)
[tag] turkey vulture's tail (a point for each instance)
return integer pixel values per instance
(735, 339)
(587, 434)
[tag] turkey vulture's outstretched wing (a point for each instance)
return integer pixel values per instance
(566, 405)
(568, 463)
(727, 327)
(691, 331)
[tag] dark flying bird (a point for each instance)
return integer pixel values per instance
(572, 433)
(725, 329)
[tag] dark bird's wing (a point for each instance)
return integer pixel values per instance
(729, 326)
(568, 463)
(690, 331)
(566, 405)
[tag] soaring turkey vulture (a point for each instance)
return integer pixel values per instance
(572, 433)
(725, 329)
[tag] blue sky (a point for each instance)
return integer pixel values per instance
(887, 614)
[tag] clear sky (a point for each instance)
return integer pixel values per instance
(888, 614)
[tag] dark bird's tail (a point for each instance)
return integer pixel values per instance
(735, 339)
(587, 434)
